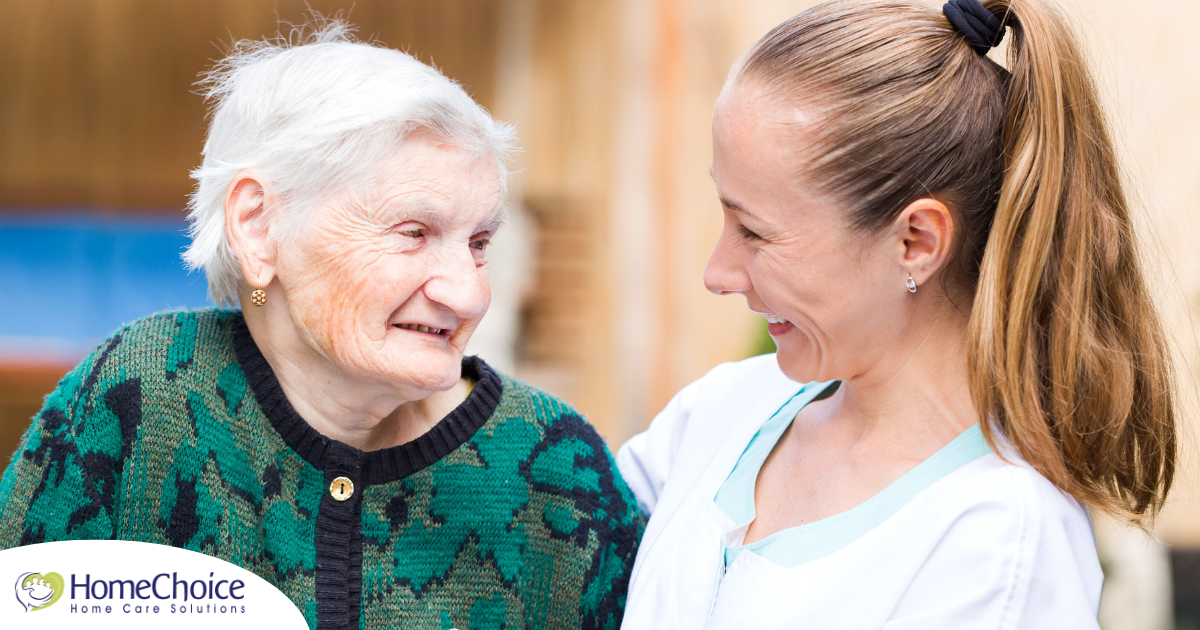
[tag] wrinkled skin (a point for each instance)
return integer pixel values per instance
(414, 252)
(408, 248)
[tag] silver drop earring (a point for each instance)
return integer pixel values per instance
(911, 284)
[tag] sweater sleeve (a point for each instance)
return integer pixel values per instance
(602, 602)
(48, 491)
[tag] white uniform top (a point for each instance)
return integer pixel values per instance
(989, 545)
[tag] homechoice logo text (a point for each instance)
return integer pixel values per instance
(164, 592)
(131, 585)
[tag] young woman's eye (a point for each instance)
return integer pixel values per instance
(747, 234)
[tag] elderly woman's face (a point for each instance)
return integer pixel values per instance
(389, 284)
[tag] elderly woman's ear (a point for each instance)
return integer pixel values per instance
(248, 229)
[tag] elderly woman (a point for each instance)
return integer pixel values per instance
(331, 437)
(968, 360)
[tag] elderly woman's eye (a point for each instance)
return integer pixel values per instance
(480, 244)
(413, 233)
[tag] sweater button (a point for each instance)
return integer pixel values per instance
(341, 488)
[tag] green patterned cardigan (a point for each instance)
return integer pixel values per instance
(509, 513)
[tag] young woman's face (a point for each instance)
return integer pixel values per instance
(830, 290)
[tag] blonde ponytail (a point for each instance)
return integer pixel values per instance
(1069, 359)
(1068, 362)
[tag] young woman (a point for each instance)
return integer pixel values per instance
(968, 361)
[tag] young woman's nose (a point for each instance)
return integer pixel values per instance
(726, 269)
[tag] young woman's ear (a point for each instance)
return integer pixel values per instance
(247, 229)
(924, 235)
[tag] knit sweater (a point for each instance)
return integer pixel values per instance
(509, 513)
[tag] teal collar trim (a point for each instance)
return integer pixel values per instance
(805, 543)
(736, 495)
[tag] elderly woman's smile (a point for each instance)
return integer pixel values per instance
(378, 290)
(425, 329)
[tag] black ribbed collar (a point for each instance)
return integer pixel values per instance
(384, 465)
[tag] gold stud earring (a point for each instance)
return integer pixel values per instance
(911, 284)
(259, 297)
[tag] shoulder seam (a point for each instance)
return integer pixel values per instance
(1009, 614)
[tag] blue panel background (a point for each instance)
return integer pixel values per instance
(70, 280)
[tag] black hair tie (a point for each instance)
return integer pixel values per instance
(980, 27)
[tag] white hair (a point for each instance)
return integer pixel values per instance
(315, 112)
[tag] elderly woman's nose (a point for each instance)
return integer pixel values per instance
(459, 285)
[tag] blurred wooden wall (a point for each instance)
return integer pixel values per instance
(566, 127)
(97, 107)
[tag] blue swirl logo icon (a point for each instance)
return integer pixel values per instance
(36, 591)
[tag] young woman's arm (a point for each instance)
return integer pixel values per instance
(645, 460)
